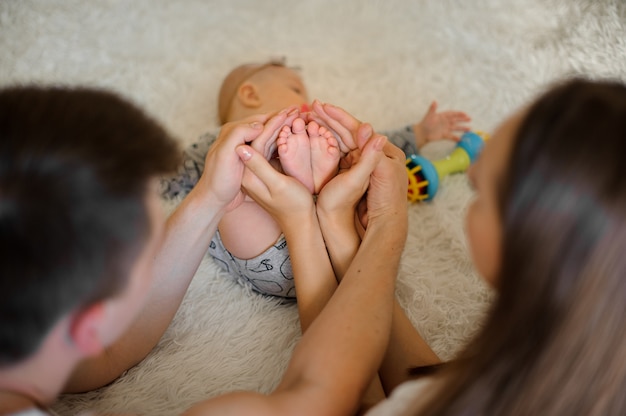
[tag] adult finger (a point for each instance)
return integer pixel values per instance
(230, 136)
(266, 140)
(348, 187)
(363, 135)
(388, 185)
(340, 122)
(278, 194)
(260, 178)
(342, 116)
(394, 152)
(256, 167)
(371, 155)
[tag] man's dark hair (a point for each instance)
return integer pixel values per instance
(75, 165)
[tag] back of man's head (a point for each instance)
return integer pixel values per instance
(74, 170)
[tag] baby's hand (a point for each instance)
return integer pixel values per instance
(437, 126)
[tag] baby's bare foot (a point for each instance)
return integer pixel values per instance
(294, 152)
(324, 155)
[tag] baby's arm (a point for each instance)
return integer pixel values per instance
(433, 126)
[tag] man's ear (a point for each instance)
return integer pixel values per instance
(86, 329)
(248, 95)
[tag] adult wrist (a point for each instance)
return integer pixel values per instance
(389, 230)
(298, 222)
(334, 217)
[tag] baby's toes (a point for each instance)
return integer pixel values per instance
(298, 126)
(284, 132)
(314, 129)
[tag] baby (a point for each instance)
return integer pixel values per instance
(309, 153)
(249, 244)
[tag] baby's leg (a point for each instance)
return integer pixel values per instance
(324, 154)
(294, 152)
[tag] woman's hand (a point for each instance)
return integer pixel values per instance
(345, 190)
(388, 182)
(282, 196)
(337, 201)
(347, 128)
(386, 196)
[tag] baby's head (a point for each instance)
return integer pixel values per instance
(259, 88)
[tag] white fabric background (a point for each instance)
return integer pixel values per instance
(384, 61)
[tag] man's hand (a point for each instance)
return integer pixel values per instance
(224, 170)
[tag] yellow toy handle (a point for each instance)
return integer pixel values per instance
(424, 175)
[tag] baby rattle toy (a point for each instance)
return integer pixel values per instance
(424, 175)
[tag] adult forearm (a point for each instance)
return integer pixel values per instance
(341, 239)
(343, 348)
(406, 349)
(188, 232)
(314, 277)
(186, 239)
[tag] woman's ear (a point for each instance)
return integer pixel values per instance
(248, 95)
(86, 328)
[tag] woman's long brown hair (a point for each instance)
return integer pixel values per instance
(555, 340)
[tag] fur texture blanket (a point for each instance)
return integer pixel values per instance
(384, 61)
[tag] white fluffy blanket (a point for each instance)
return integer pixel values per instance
(384, 61)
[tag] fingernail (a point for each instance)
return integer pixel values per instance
(366, 131)
(380, 142)
(284, 111)
(293, 112)
(244, 153)
(256, 125)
